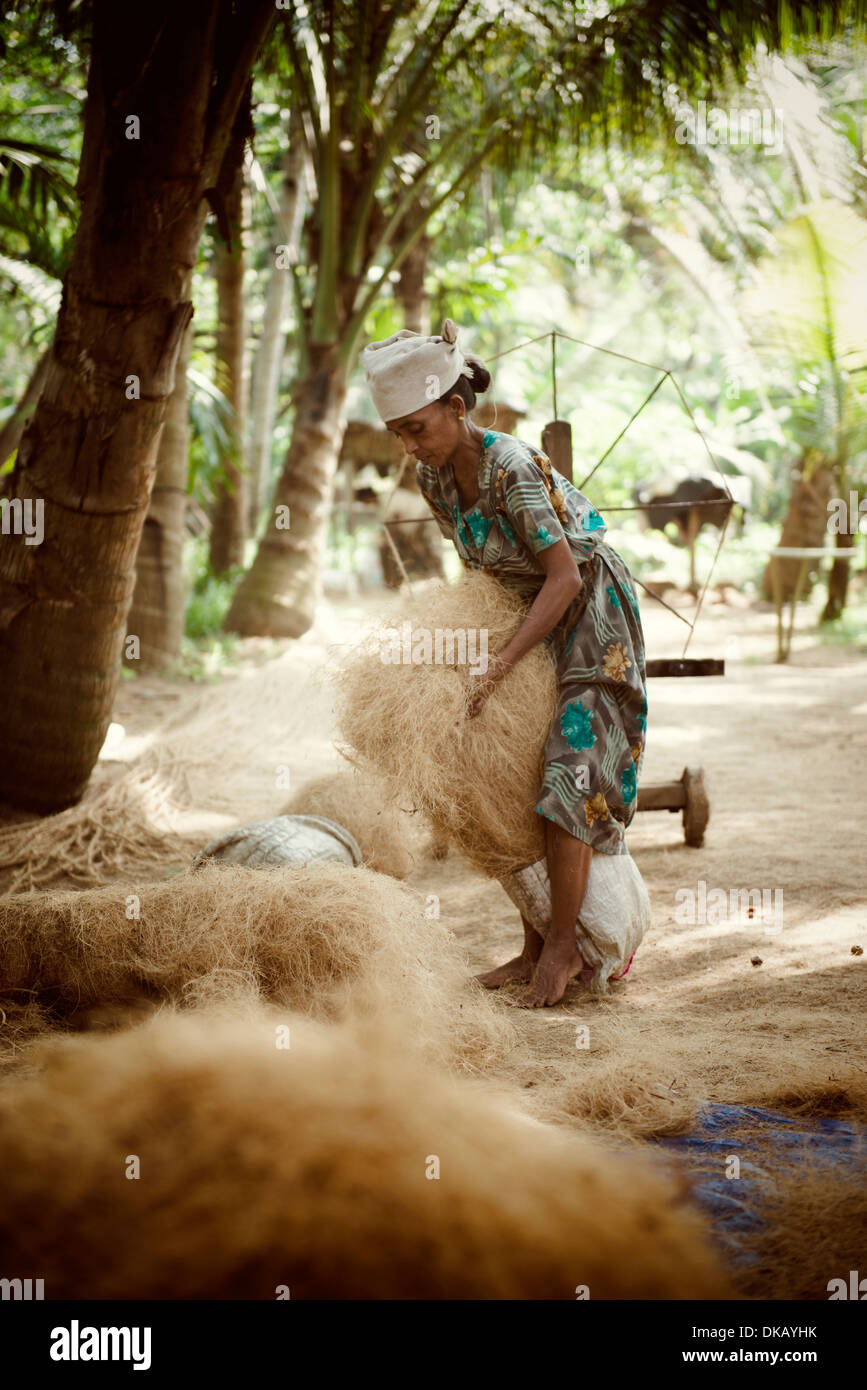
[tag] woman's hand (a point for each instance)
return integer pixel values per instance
(480, 687)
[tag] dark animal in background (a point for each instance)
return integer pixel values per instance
(708, 494)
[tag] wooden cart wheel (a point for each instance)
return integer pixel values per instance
(696, 810)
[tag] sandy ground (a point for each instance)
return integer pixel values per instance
(784, 752)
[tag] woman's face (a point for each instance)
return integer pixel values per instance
(432, 434)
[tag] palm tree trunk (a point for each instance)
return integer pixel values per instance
(805, 522)
(266, 372)
(838, 580)
(279, 593)
(410, 288)
(229, 518)
(157, 613)
(164, 85)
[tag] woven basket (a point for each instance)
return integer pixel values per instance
(285, 840)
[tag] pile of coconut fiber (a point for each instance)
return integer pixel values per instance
(228, 757)
(328, 940)
(272, 1156)
(476, 779)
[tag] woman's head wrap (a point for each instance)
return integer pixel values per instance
(407, 371)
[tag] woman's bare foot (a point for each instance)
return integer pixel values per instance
(521, 968)
(559, 963)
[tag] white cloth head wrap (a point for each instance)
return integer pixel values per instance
(407, 371)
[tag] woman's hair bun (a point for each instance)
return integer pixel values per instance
(481, 378)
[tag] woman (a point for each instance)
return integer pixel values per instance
(510, 514)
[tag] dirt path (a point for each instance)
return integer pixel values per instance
(784, 749)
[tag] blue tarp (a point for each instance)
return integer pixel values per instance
(763, 1141)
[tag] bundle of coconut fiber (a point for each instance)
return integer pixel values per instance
(147, 811)
(401, 706)
(325, 939)
(273, 1157)
(363, 803)
(22, 1020)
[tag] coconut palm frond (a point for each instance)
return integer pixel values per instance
(40, 289)
(613, 69)
(30, 172)
(25, 238)
(212, 422)
(36, 200)
(812, 298)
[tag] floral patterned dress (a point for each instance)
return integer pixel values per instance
(592, 759)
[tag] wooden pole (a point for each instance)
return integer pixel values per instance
(557, 444)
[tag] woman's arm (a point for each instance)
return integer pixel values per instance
(562, 584)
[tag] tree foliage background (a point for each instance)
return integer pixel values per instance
(737, 266)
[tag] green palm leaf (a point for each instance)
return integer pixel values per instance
(29, 166)
(812, 298)
(41, 289)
